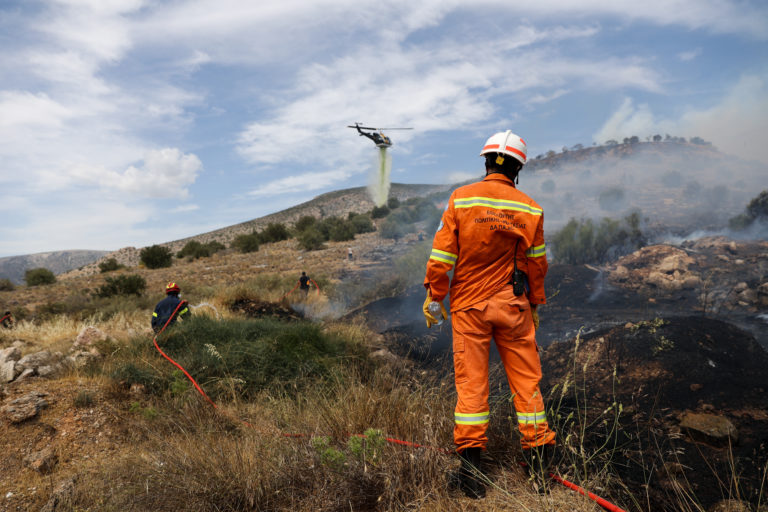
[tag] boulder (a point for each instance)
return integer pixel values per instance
(61, 498)
(709, 428)
(88, 337)
(10, 354)
(675, 262)
(43, 461)
(49, 370)
(25, 407)
(29, 372)
(42, 358)
(8, 371)
(82, 358)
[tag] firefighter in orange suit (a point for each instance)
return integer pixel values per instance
(492, 234)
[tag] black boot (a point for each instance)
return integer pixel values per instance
(470, 476)
(541, 461)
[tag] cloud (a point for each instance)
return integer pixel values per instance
(736, 124)
(301, 182)
(689, 55)
(164, 173)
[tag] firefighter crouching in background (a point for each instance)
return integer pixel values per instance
(7, 320)
(169, 306)
(493, 234)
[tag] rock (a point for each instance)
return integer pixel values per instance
(88, 337)
(709, 428)
(740, 287)
(42, 358)
(25, 407)
(49, 370)
(43, 461)
(621, 273)
(384, 355)
(675, 262)
(81, 358)
(762, 295)
(61, 497)
(29, 372)
(19, 344)
(138, 389)
(748, 296)
(730, 506)
(8, 371)
(691, 281)
(10, 354)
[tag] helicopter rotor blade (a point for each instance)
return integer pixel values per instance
(361, 127)
(394, 128)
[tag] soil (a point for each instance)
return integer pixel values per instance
(78, 436)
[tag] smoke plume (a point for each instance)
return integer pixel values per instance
(378, 186)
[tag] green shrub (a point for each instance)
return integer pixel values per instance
(379, 212)
(246, 243)
(110, 265)
(133, 284)
(156, 256)
(342, 232)
(585, 241)
(756, 209)
(393, 203)
(274, 232)
(391, 228)
(6, 285)
(39, 276)
(311, 239)
(304, 222)
(254, 354)
(361, 223)
(194, 249)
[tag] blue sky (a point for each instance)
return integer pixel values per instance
(132, 122)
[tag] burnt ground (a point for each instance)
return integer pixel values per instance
(664, 368)
(259, 309)
(672, 353)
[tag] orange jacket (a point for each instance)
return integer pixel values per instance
(477, 233)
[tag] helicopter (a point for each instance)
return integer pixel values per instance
(376, 134)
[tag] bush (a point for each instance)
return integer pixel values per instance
(39, 276)
(156, 256)
(195, 249)
(304, 222)
(274, 232)
(247, 355)
(586, 242)
(246, 243)
(342, 231)
(379, 212)
(311, 239)
(6, 285)
(122, 285)
(391, 228)
(393, 203)
(110, 265)
(756, 209)
(361, 223)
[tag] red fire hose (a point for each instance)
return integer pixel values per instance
(5, 318)
(597, 499)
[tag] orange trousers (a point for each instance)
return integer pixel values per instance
(507, 319)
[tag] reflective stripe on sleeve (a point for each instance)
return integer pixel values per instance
(445, 257)
(477, 418)
(497, 204)
(536, 252)
(154, 314)
(534, 418)
(185, 310)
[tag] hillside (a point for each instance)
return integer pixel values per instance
(58, 262)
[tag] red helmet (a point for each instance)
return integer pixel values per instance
(172, 288)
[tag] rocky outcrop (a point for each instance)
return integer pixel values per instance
(709, 428)
(25, 407)
(61, 498)
(42, 461)
(659, 266)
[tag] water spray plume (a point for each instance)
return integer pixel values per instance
(379, 184)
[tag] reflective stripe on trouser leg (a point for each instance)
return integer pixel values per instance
(515, 338)
(471, 344)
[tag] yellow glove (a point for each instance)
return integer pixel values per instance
(535, 316)
(431, 320)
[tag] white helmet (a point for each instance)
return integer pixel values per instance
(506, 143)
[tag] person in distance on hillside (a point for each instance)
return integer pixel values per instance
(492, 234)
(304, 283)
(7, 320)
(171, 307)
